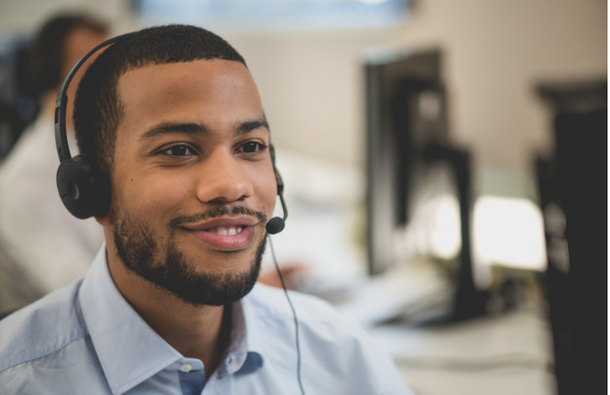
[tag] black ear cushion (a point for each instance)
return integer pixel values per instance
(83, 187)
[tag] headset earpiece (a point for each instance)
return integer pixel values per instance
(83, 187)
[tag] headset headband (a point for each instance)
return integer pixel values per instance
(61, 102)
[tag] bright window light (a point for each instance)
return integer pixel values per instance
(435, 229)
(509, 232)
(273, 14)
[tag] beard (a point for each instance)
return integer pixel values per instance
(164, 265)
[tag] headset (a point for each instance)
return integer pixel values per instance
(83, 186)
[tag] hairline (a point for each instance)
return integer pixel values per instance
(100, 110)
(119, 100)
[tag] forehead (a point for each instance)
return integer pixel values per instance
(209, 88)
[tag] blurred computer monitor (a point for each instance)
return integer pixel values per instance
(411, 165)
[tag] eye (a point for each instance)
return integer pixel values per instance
(179, 150)
(252, 147)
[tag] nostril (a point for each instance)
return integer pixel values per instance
(217, 201)
(223, 200)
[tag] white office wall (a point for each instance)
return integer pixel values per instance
(312, 83)
(496, 51)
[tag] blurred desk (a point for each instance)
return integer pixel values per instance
(507, 354)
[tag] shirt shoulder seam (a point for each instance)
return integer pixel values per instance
(43, 354)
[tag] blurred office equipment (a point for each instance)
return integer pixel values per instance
(421, 260)
(572, 184)
(411, 165)
(394, 83)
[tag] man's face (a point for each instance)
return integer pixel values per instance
(193, 183)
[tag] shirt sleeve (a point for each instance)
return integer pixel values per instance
(337, 353)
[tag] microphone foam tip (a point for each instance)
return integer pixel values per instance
(275, 225)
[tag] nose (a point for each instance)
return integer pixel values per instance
(223, 179)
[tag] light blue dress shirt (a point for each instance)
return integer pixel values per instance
(86, 339)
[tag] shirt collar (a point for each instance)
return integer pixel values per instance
(243, 352)
(129, 350)
(252, 313)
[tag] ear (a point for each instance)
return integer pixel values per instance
(104, 221)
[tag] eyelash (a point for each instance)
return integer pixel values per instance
(167, 150)
(241, 149)
(259, 147)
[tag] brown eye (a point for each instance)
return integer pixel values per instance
(251, 147)
(178, 150)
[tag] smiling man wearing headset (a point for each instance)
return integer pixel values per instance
(176, 165)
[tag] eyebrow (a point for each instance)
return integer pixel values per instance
(199, 129)
(175, 127)
(246, 127)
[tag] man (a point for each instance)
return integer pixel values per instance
(174, 119)
(43, 247)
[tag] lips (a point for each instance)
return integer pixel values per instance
(227, 231)
(227, 234)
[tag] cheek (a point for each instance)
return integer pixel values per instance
(268, 191)
(164, 193)
(150, 195)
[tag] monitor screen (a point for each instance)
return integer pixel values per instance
(406, 109)
(418, 183)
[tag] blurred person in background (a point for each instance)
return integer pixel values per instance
(42, 246)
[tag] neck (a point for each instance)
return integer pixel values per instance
(195, 331)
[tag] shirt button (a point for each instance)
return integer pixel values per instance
(186, 368)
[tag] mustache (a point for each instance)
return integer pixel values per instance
(216, 212)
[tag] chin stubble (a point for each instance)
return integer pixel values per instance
(165, 266)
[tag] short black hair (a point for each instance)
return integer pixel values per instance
(47, 51)
(97, 107)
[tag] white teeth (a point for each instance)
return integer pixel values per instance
(230, 231)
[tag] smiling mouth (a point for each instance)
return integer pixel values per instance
(225, 237)
(226, 231)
